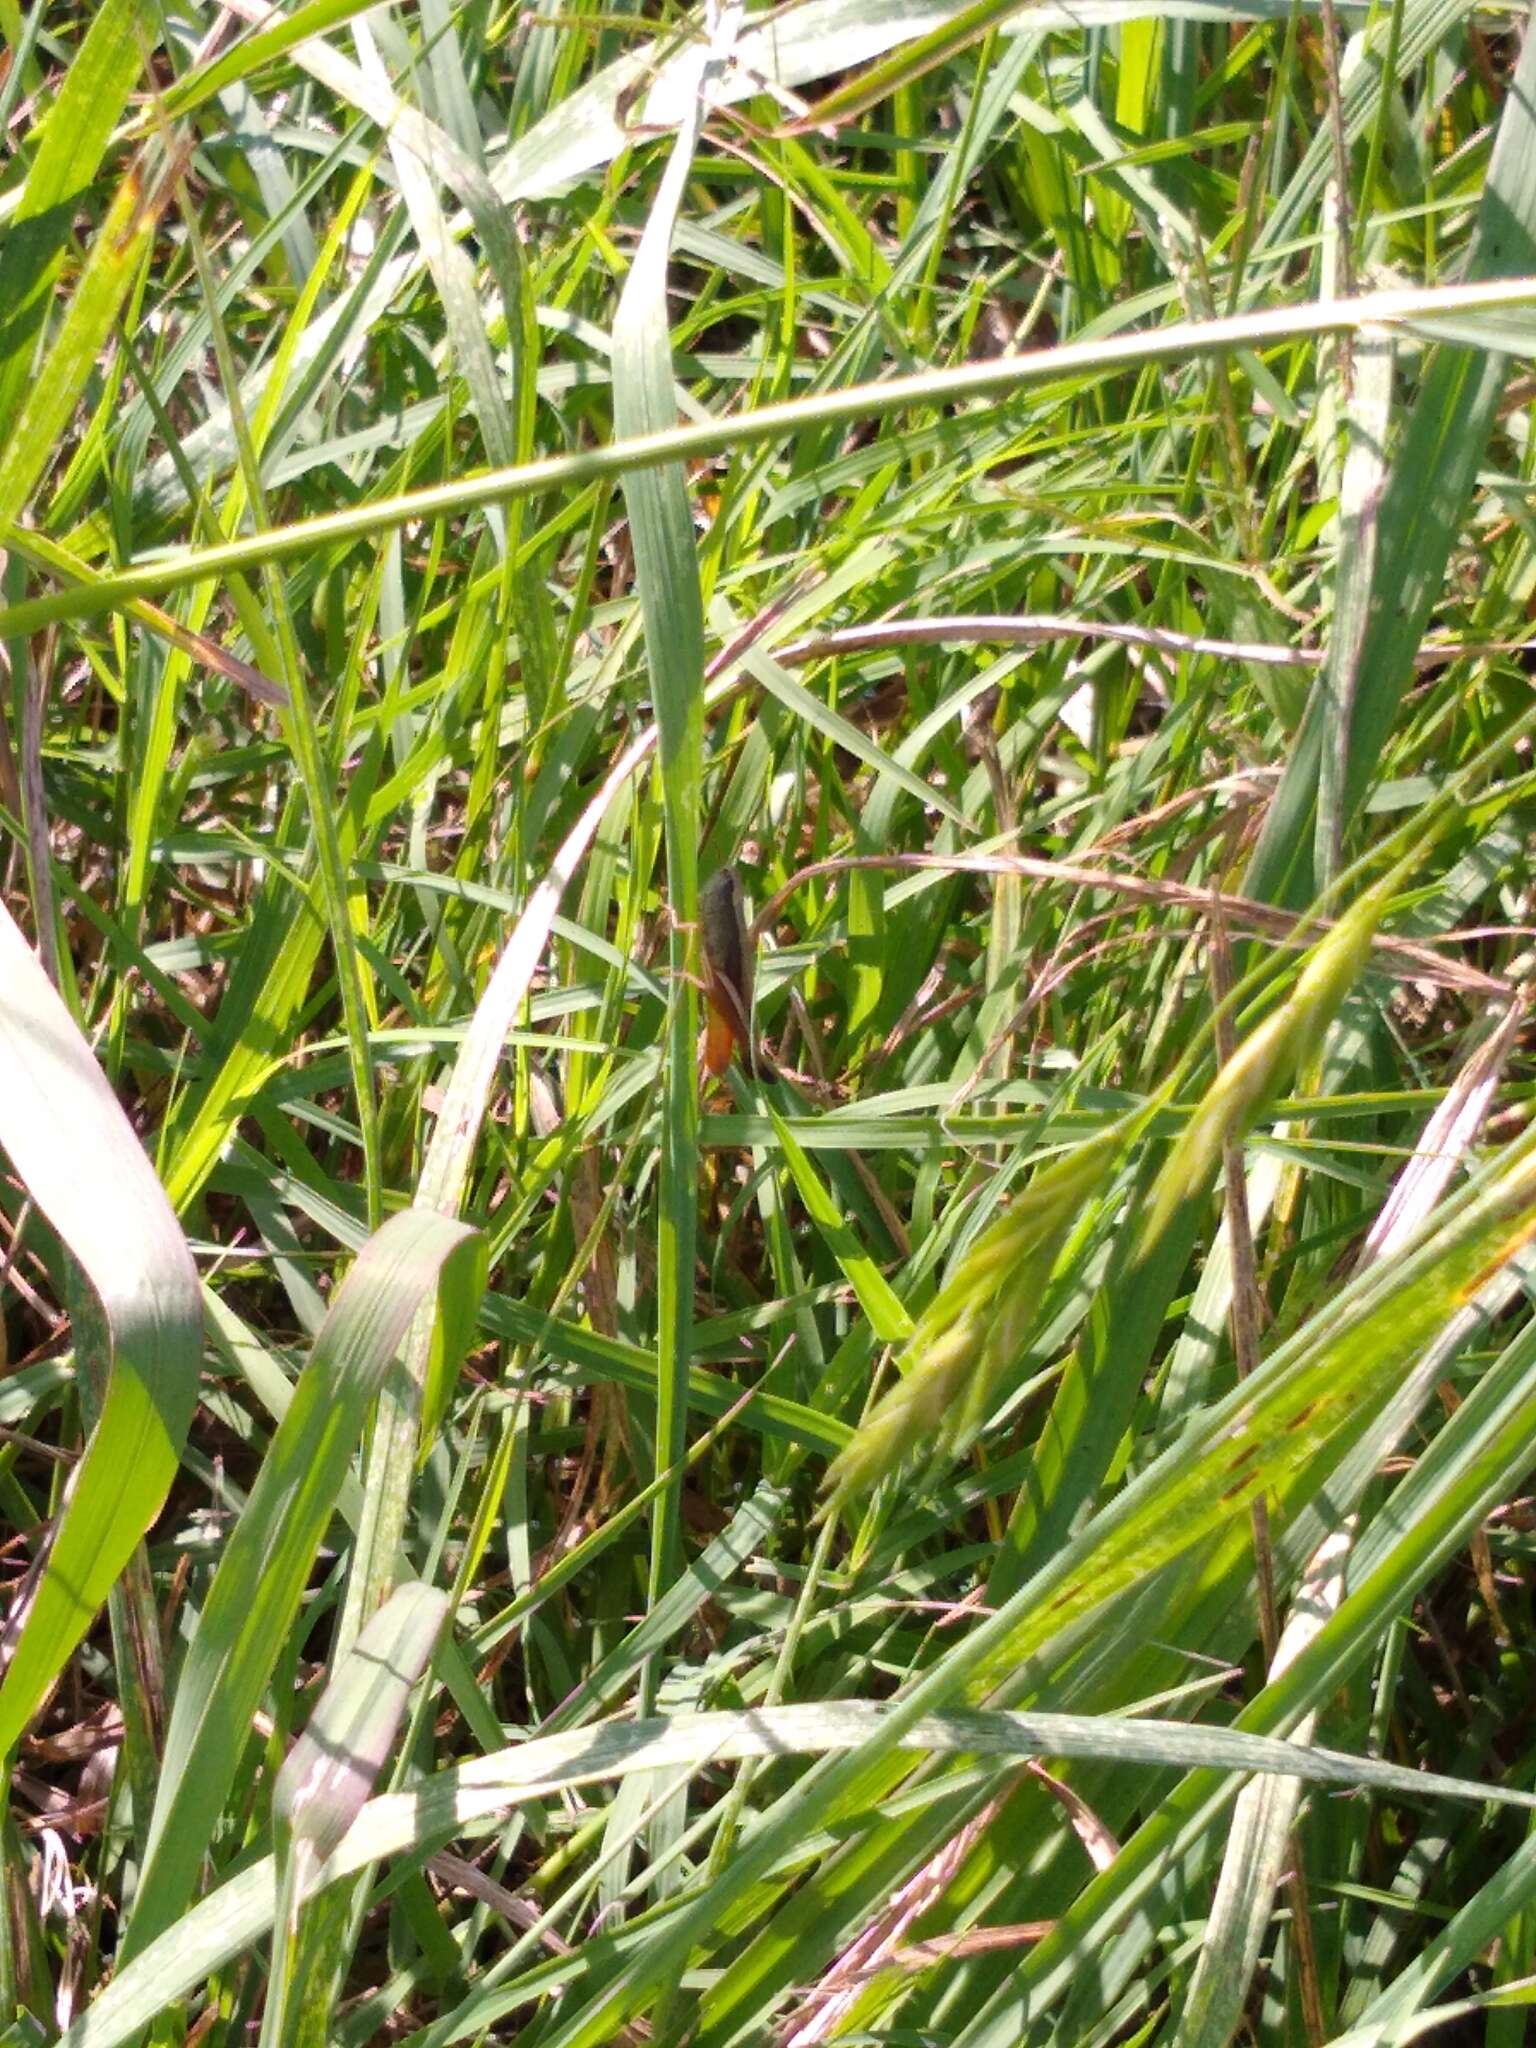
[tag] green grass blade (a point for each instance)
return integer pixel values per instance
(328, 1775)
(87, 107)
(1422, 507)
(995, 379)
(241, 1912)
(73, 1149)
(261, 1577)
(117, 250)
(667, 576)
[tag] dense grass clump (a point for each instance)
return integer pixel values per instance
(766, 784)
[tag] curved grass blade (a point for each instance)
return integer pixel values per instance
(74, 139)
(486, 1788)
(328, 1774)
(73, 1148)
(261, 1577)
(993, 378)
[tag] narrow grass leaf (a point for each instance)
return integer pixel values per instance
(74, 139)
(672, 607)
(1367, 420)
(241, 1911)
(887, 1318)
(843, 733)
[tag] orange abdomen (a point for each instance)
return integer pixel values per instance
(719, 1040)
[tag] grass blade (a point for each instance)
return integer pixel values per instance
(260, 1581)
(73, 1149)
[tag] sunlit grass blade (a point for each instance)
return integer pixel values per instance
(256, 1592)
(241, 1912)
(667, 576)
(1422, 506)
(74, 139)
(75, 1153)
(331, 1769)
(992, 378)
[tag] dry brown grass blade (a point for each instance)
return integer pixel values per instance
(1403, 957)
(1023, 629)
(1099, 1842)
(1446, 1139)
(820, 2015)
